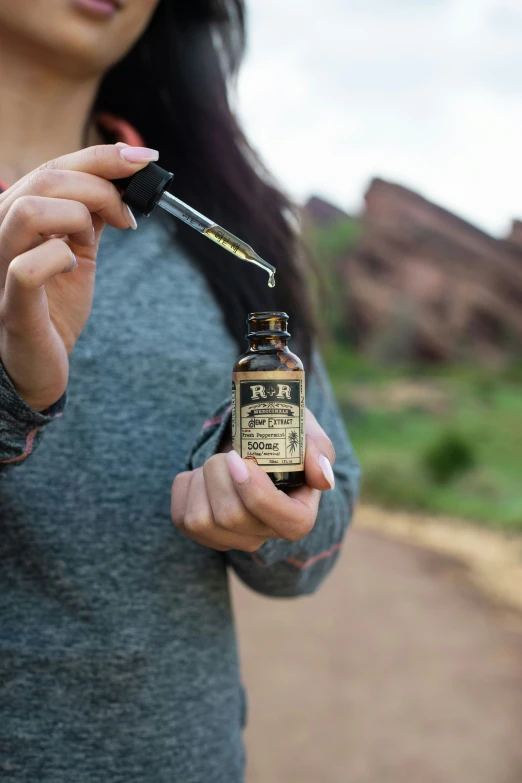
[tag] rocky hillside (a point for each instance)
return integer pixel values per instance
(414, 281)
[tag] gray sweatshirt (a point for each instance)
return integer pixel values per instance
(118, 656)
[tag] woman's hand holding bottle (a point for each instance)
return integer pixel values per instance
(231, 503)
(50, 227)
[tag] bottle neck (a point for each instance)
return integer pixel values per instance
(266, 344)
(268, 332)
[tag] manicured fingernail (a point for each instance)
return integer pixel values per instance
(328, 473)
(74, 263)
(138, 154)
(237, 467)
(130, 217)
(121, 144)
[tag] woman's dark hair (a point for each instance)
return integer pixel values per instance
(173, 87)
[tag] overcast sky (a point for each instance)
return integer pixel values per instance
(427, 93)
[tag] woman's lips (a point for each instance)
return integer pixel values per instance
(104, 9)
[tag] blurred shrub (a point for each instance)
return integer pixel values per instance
(449, 456)
(394, 484)
(334, 240)
(331, 246)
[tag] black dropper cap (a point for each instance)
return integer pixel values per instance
(144, 189)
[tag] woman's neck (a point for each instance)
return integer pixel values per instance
(43, 114)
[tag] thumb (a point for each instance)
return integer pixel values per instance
(320, 455)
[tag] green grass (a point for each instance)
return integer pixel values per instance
(397, 446)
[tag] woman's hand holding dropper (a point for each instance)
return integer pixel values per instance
(50, 226)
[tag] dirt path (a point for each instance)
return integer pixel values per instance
(398, 671)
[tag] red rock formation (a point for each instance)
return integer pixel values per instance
(515, 237)
(425, 284)
(322, 213)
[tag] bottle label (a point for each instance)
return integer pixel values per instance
(268, 419)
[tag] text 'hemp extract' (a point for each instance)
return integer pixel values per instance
(147, 189)
(268, 402)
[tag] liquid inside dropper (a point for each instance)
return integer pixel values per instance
(240, 249)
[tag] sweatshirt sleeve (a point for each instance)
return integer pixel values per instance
(281, 568)
(21, 427)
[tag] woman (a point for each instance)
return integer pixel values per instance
(118, 658)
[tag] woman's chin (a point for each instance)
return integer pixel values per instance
(79, 36)
(81, 48)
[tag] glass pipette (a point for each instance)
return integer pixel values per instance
(146, 190)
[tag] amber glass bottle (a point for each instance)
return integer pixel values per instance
(268, 402)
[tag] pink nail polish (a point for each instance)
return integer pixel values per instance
(130, 217)
(138, 154)
(326, 468)
(237, 467)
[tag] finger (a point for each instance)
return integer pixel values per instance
(316, 432)
(98, 195)
(199, 523)
(31, 270)
(178, 497)
(320, 455)
(24, 304)
(236, 542)
(105, 160)
(198, 512)
(33, 218)
(290, 516)
(228, 510)
(205, 542)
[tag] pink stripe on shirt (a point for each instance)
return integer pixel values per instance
(216, 419)
(28, 448)
(302, 564)
(29, 442)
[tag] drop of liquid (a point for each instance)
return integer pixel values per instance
(271, 281)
